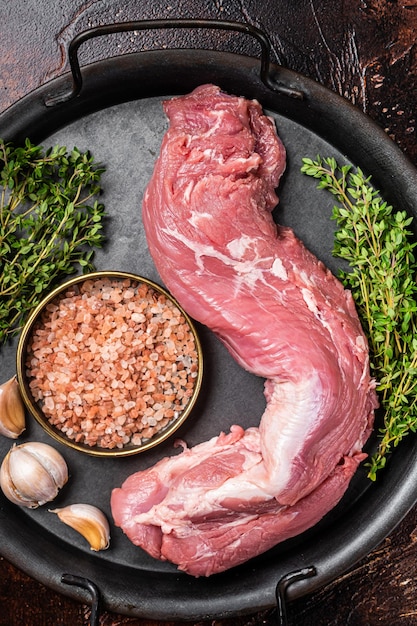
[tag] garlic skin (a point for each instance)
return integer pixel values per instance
(89, 521)
(32, 474)
(12, 410)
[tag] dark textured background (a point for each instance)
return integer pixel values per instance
(365, 51)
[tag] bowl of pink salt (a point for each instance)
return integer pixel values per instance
(109, 364)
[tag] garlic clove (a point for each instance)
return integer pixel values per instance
(12, 410)
(32, 474)
(89, 521)
(51, 460)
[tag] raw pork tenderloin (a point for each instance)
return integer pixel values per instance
(281, 314)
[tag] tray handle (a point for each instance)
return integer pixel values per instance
(98, 31)
(88, 585)
(281, 590)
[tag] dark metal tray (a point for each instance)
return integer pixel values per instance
(117, 114)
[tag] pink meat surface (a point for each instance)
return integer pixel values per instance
(281, 314)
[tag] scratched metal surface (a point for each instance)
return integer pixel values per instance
(363, 50)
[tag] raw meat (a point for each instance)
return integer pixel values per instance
(281, 314)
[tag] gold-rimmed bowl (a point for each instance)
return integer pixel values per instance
(109, 364)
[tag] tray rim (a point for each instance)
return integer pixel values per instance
(380, 152)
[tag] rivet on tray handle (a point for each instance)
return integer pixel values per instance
(281, 590)
(98, 31)
(88, 585)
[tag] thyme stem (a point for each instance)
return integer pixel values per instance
(50, 223)
(378, 245)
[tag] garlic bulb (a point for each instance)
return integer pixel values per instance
(89, 521)
(32, 474)
(12, 411)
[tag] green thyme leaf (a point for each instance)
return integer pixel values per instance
(50, 222)
(378, 244)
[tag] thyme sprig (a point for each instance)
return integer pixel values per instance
(50, 223)
(377, 242)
